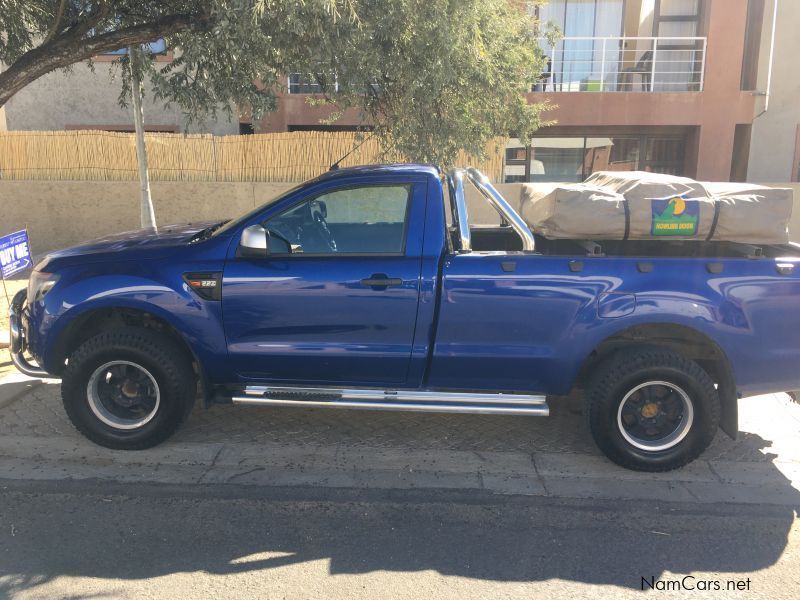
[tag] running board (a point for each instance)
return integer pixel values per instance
(405, 400)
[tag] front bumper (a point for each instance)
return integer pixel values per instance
(17, 327)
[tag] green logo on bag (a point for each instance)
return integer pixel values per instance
(675, 216)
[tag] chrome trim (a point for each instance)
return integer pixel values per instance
(399, 395)
(17, 337)
(536, 411)
(254, 237)
(671, 440)
(455, 180)
(400, 400)
(101, 411)
(501, 205)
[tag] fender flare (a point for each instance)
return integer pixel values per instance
(723, 375)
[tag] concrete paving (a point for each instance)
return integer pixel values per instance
(269, 447)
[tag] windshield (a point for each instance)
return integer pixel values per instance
(248, 215)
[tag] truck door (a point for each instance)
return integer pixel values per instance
(335, 300)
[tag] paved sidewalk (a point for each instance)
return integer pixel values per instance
(359, 449)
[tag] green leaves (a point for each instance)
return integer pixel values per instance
(432, 77)
(450, 74)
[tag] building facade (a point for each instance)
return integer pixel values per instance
(660, 85)
(655, 85)
(673, 86)
(775, 144)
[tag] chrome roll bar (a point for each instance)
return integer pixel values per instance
(505, 210)
(507, 213)
(456, 180)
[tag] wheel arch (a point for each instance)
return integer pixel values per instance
(686, 340)
(106, 318)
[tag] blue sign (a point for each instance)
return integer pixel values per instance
(15, 253)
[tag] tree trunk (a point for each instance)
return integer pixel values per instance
(148, 215)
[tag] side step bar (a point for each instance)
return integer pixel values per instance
(405, 400)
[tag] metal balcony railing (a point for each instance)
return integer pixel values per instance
(624, 64)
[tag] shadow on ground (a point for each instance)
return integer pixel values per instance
(143, 535)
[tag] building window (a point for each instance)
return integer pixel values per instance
(677, 23)
(517, 157)
(574, 158)
(306, 83)
(752, 44)
(574, 64)
(624, 154)
(741, 151)
(664, 155)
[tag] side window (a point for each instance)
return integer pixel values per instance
(357, 220)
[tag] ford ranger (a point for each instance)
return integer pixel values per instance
(369, 288)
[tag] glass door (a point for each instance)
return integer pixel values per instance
(678, 62)
(577, 64)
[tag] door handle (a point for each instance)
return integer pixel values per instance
(381, 280)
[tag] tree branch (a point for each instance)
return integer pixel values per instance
(57, 22)
(69, 48)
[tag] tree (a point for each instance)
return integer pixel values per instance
(432, 77)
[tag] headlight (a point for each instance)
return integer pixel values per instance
(39, 284)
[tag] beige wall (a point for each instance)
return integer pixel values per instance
(62, 213)
(82, 98)
(772, 144)
(59, 214)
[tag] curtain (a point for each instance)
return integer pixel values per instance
(577, 63)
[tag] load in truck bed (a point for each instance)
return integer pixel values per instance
(649, 206)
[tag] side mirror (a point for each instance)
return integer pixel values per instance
(254, 242)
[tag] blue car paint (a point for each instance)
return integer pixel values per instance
(533, 329)
(151, 284)
(458, 321)
(308, 318)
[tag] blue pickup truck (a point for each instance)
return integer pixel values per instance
(369, 288)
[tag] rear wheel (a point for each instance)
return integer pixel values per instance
(128, 389)
(652, 409)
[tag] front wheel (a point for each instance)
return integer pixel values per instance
(652, 409)
(128, 389)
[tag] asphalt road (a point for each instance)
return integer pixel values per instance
(97, 540)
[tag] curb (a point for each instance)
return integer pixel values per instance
(270, 466)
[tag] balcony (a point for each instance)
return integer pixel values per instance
(624, 64)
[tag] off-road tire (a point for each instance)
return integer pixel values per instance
(614, 377)
(165, 360)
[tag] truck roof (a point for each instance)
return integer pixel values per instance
(390, 168)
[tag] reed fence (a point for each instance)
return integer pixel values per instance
(111, 156)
